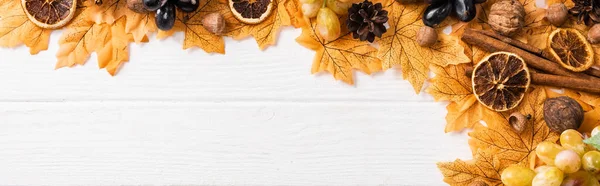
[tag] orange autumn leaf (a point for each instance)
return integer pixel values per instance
(513, 147)
(452, 84)
(109, 11)
(114, 50)
(485, 166)
(80, 38)
(16, 29)
(265, 33)
(295, 12)
(339, 56)
(398, 46)
(139, 25)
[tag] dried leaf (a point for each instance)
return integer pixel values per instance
(295, 12)
(80, 38)
(16, 29)
(513, 147)
(341, 55)
(398, 46)
(109, 11)
(115, 48)
(450, 83)
(485, 167)
(265, 33)
(139, 25)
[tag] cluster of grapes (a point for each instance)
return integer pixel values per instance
(165, 10)
(572, 163)
(326, 12)
(438, 10)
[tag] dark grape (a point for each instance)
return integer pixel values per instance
(465, 10)
(435, 2)
(435, 14)
(187, 5)
(165, 17)
(153, 5)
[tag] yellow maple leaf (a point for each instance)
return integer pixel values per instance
(114, 50)
(339, 56)
(80, 38)
(265, 33)
(513, 147)
(16, 29)
(465, 114)
(139, 25)
(109, 11)
(295, 12)
(398, 46)
(485, 166)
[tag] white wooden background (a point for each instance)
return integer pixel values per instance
(173, 117)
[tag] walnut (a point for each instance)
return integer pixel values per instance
(507, 17)
(562, 113)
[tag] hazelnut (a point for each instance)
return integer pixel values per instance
(593, 34)
(562, 113)
(426, 36)
(478, 183)
(556, 14)
(136, 6)
(507, 17)
(518, 121)
(214, 23)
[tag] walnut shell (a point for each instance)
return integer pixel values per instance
(562, 113)
(507, 17)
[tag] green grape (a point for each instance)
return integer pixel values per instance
(579, 178)
(568, 161)
(517, 176)
(338, 7)
(591, 161)
(547, 151)
(547, 176)
(310, 10)
(595, 130)
(328, 24)
(571, 139)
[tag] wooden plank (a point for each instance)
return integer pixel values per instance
(249, 143)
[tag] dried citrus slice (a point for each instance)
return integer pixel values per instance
(49, 14)
(251, 11)
(571, 49)
(500, 81)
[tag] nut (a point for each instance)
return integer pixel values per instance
(478, 183)
(593, 35)
(556, 14)
(137, 6)
(562, 113)
(214, 23)
(518, 121)
(507, 17)
(426, 36)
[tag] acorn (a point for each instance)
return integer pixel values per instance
(562, 113)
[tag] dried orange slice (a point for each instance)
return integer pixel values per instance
(49, 14)
(500, 81)
(571, 49)
(251, 11)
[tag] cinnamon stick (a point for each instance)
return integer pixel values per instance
(491, 44)
(531, 49)
(585, 85)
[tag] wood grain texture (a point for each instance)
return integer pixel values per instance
(173, 117)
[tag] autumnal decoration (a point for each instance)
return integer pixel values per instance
(500, 81)
(571, 49)
(366, 20)
(507, 17)
(49, 15)
(506, 70)
(562, 113)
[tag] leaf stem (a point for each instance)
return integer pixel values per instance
(324, 4)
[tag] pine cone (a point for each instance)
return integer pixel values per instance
(586, 11)
(366, 20)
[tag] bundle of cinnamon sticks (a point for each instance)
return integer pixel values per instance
(545, 70)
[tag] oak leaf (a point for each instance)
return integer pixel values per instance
(398, 46)
(265, 33)
(339, 56)
(16, 29)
